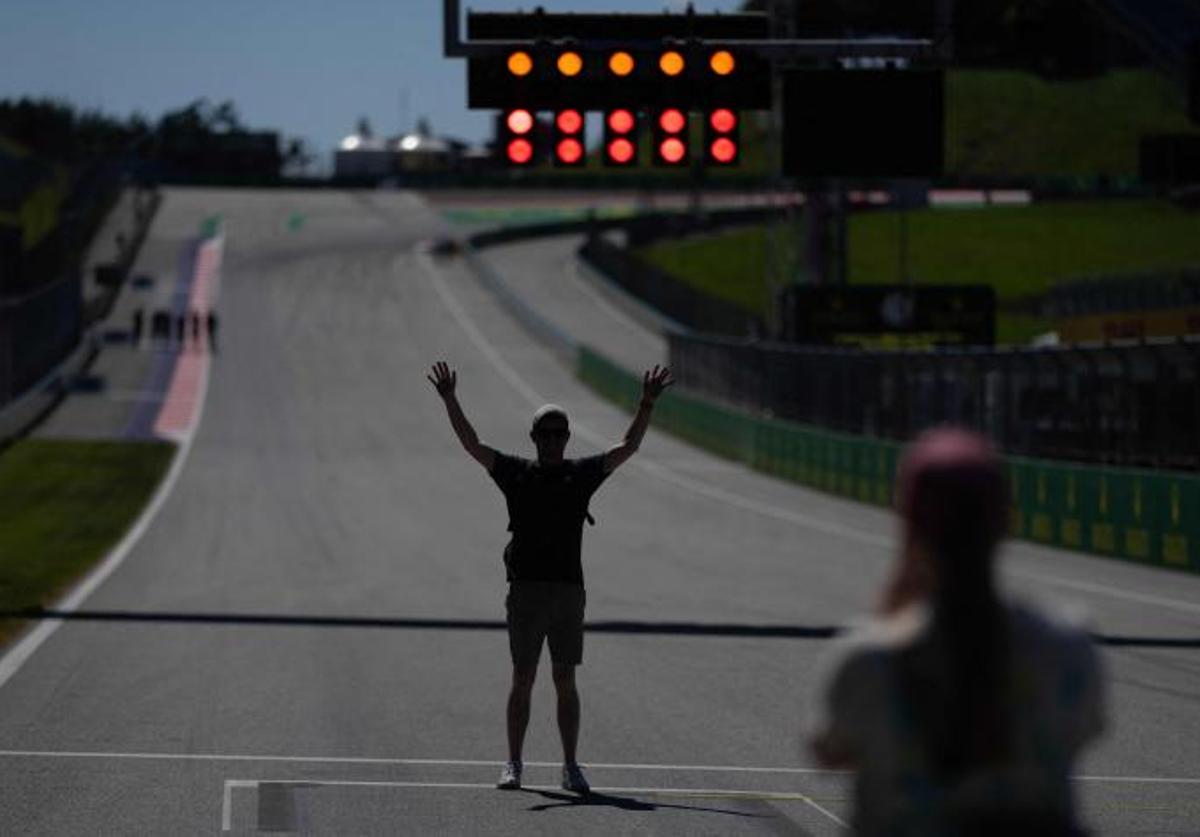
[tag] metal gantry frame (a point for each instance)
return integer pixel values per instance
(936, 49)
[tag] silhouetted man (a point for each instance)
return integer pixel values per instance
(547, 504)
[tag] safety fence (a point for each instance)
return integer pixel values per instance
(1134, 292)
(1143, 516)
(46, 304)
(1129, 403)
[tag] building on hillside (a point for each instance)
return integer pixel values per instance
(418, 152)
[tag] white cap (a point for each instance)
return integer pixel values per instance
(548, 410)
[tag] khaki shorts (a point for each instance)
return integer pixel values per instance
(545, 610)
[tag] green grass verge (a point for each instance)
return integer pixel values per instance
(63, 505)
(1020, 251)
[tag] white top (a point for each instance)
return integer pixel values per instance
(860, 711)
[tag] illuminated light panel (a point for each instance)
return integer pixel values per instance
(620, 121)
(520, 151)
(723, 120)
(621, 63)
(570, 150)
(520, 121)
(672, 121)
(569, 121)
(570, 64)
(722, 62)
(671, 63)
(672, 150)
(621, 150)
(520, 64)
(723, 150)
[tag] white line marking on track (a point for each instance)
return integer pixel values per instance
(706, 489)
(709, 793)
(412, 762)
(1110, 592)
(574, 276)
(19, 654)
(422, 762)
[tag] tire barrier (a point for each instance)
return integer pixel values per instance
(1144, 516)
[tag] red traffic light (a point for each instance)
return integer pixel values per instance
(569, 121)
(723, 120)
(672, 121)
(620, 151)
(672, 150)
(519, 121)
(723, 150)
(721, 137)
(569, 151)
(620, 121)
(519, 151)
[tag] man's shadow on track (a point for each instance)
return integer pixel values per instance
(624, 803)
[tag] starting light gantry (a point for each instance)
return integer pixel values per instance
(636, 70)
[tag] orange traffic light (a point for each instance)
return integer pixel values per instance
(722, 62)
(520, 64)
(671, 63)
(570, 63)
(621, 63)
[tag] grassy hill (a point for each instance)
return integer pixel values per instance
(1020, 251)
(1012, 123)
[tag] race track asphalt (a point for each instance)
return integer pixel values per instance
(324, 484)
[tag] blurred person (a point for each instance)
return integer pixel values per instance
(960, 712)
(547, 501)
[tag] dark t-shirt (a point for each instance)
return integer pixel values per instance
(547, 505)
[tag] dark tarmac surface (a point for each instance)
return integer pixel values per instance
(325, 482)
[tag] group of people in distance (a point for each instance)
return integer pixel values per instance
(959, 711)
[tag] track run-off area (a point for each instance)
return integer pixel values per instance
(307, 634)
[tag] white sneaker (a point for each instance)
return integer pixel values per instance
(574, 780)
(510, 776)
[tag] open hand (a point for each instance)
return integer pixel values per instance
(655, 381)
(444, 379)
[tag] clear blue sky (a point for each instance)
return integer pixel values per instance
(308, 68)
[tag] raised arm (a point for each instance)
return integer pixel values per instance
(444, 380)
(654, 381)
